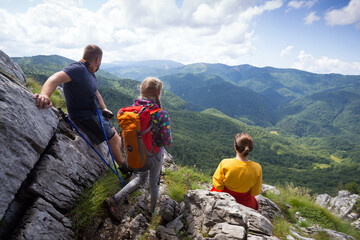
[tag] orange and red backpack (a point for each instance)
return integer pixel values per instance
(137, 143)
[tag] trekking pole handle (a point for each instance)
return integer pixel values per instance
(63, 115)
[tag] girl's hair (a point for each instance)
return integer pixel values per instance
(150, 88)
(243, 143)
(91, 52)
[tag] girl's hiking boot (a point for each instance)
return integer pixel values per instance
(124, 169)
(112, 208)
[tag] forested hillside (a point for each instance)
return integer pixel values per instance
(211, 91)
(310, 137)
(321, 110)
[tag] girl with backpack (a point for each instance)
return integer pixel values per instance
(150, 94)
(239, 176)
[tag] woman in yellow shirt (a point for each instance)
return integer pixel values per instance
(239, 176)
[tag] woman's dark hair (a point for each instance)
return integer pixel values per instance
(243, 143)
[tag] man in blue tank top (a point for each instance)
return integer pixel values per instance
(83, 98)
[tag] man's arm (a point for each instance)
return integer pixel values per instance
(43, 99)
(103, 106)
(101, 101)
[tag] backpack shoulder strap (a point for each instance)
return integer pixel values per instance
(152, 111)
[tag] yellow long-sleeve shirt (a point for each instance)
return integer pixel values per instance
(238, 176)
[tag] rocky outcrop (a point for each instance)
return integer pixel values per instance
(202, 215)
(206, 215)
(343, 205)
(213, 215)
(331, 234)
(43, 213)
(25, 133)
(356, 224)
(169, 209)
(169, 162)
(44, 165)
(268, 208)
(11, 69)
(270, 189)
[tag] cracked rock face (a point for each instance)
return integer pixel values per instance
(169, 208)
(41, 219)
(45, 166)
(67, 167)
(25, 133)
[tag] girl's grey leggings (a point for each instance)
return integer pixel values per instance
(154, 180)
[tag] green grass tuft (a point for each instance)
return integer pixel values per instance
(89, 205)
(182, 180)
(281, 228)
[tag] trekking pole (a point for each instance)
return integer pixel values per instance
(63, 115)
(107, 141)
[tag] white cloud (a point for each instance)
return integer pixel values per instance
(64, 2)
(201, 30)
(309, 19)
(254, 11)
(301, 4)
(308, 62)
(47, 27)
(286, 51)
(347, 15)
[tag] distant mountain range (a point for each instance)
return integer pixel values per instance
(305, 125)
(298, 102)
(138, 70)
(155, 64)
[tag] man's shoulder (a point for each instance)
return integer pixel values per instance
(75, 66)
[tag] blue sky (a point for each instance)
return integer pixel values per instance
(320, 36)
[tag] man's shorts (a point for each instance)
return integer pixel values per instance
(92, 128)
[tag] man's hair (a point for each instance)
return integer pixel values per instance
(243, 143)
(91, 52)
